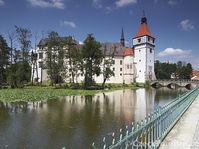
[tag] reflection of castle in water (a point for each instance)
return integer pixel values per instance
(128, 105)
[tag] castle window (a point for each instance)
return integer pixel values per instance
(120, 74)
(151, 50)
(140, 70)
(140, 60)
(120, 62)
(113, 61)
(127, 66)
(153, 40)
(139, 40)
(40, 55)
(40, 64)
(139, 50)
(149, 38)
(130, 66)
(113, 69)
(120, 69)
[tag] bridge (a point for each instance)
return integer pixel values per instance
(174, 83)
(151, 131)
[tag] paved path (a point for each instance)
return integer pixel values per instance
(185, 134)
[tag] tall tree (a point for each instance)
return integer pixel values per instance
(23, 36)
(108, 62)
(23, 71)
(55, 58)
(4, 56)
(73, 57)
(12, 40)
(92, 58)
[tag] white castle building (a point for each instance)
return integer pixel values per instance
(135, 64)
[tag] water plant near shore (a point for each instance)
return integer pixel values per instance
(34, 93)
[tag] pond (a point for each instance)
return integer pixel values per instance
(75, 122)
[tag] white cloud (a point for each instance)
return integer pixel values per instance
(123, 3)
(172, 2)
(59, 4)
(69, 24)
(174, 52)
(187, 25)
(2, 2)
(81, 43)
(97, 4)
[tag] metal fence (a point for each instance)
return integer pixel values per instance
(150, 132)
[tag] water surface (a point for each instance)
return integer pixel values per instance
(75, 122)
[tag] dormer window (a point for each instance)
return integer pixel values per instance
(149, 38)
(139, 40)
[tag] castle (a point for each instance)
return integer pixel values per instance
(135, 64)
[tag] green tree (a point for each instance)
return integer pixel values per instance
(180, 70)
(4, 58)
(23, 36)
(55, 58)
(73, 56)
(92, 57)
(107, 64)
(22, 71)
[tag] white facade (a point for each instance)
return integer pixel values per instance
(129, 69)
(144, 58)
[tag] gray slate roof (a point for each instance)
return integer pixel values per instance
(111, 47)
(117, 48)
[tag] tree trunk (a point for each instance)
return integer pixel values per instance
(103, 84)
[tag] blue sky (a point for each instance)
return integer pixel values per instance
(174, 23)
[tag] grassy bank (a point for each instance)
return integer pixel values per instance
(43, 93)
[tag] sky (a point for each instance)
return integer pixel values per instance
(174, 23)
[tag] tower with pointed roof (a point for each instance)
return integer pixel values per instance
(122, 40)
(144, 45)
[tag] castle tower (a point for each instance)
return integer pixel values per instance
(122, 40)
(128, 66)
(144, 45)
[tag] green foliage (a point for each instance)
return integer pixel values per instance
(147, 84)
(73, 55)
(107, 64)
(55, 58)
(23, 36)
(39, 93)
(4, 57)
(19, 74)
(178, 70)
(92, 57)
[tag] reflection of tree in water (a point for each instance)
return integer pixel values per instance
(165, 94)
(4, 115)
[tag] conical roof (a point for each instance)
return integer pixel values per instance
(144, 29)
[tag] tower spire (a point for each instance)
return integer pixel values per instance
(143, 19)
(122, 40)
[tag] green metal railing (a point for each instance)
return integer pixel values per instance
(150, 132)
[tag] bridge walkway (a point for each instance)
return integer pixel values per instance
(185, 134)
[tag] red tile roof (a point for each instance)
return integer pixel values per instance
(195, 73)
(128, 52)
(143, 31)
